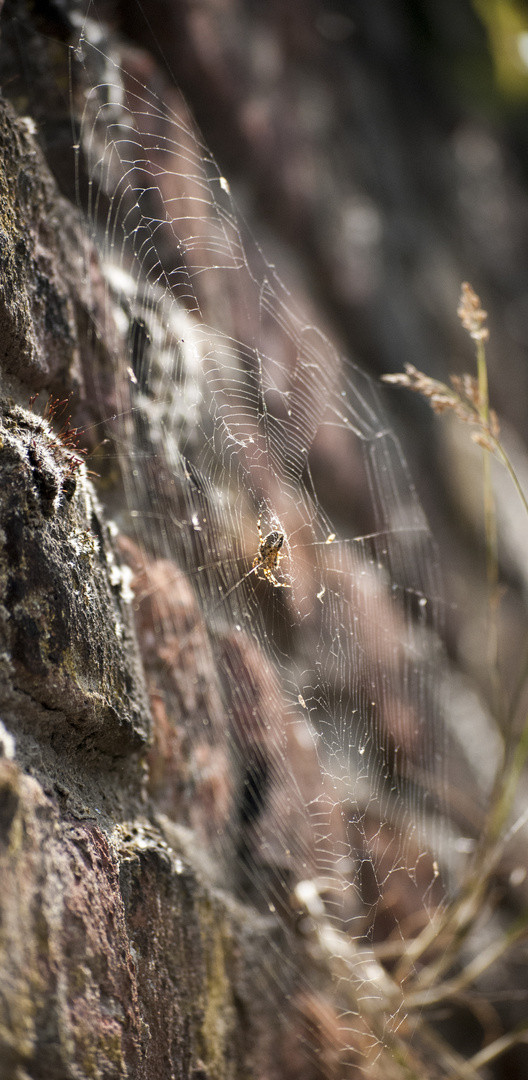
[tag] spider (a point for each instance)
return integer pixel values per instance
(268, 556)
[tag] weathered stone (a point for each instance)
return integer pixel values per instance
(119, 954)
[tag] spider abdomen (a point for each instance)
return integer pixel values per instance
(271, 543)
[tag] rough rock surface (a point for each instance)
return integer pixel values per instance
(119, 953)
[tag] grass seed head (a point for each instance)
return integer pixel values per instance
(471, 314)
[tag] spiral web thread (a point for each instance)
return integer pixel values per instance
(343, 759)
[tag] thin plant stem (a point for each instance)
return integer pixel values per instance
(439, 943)
(516, 695)
(510, 774)
(491, 1052)
(502, 455)
(490, 531)
(476, 967)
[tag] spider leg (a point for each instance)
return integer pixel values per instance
(278, 584)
